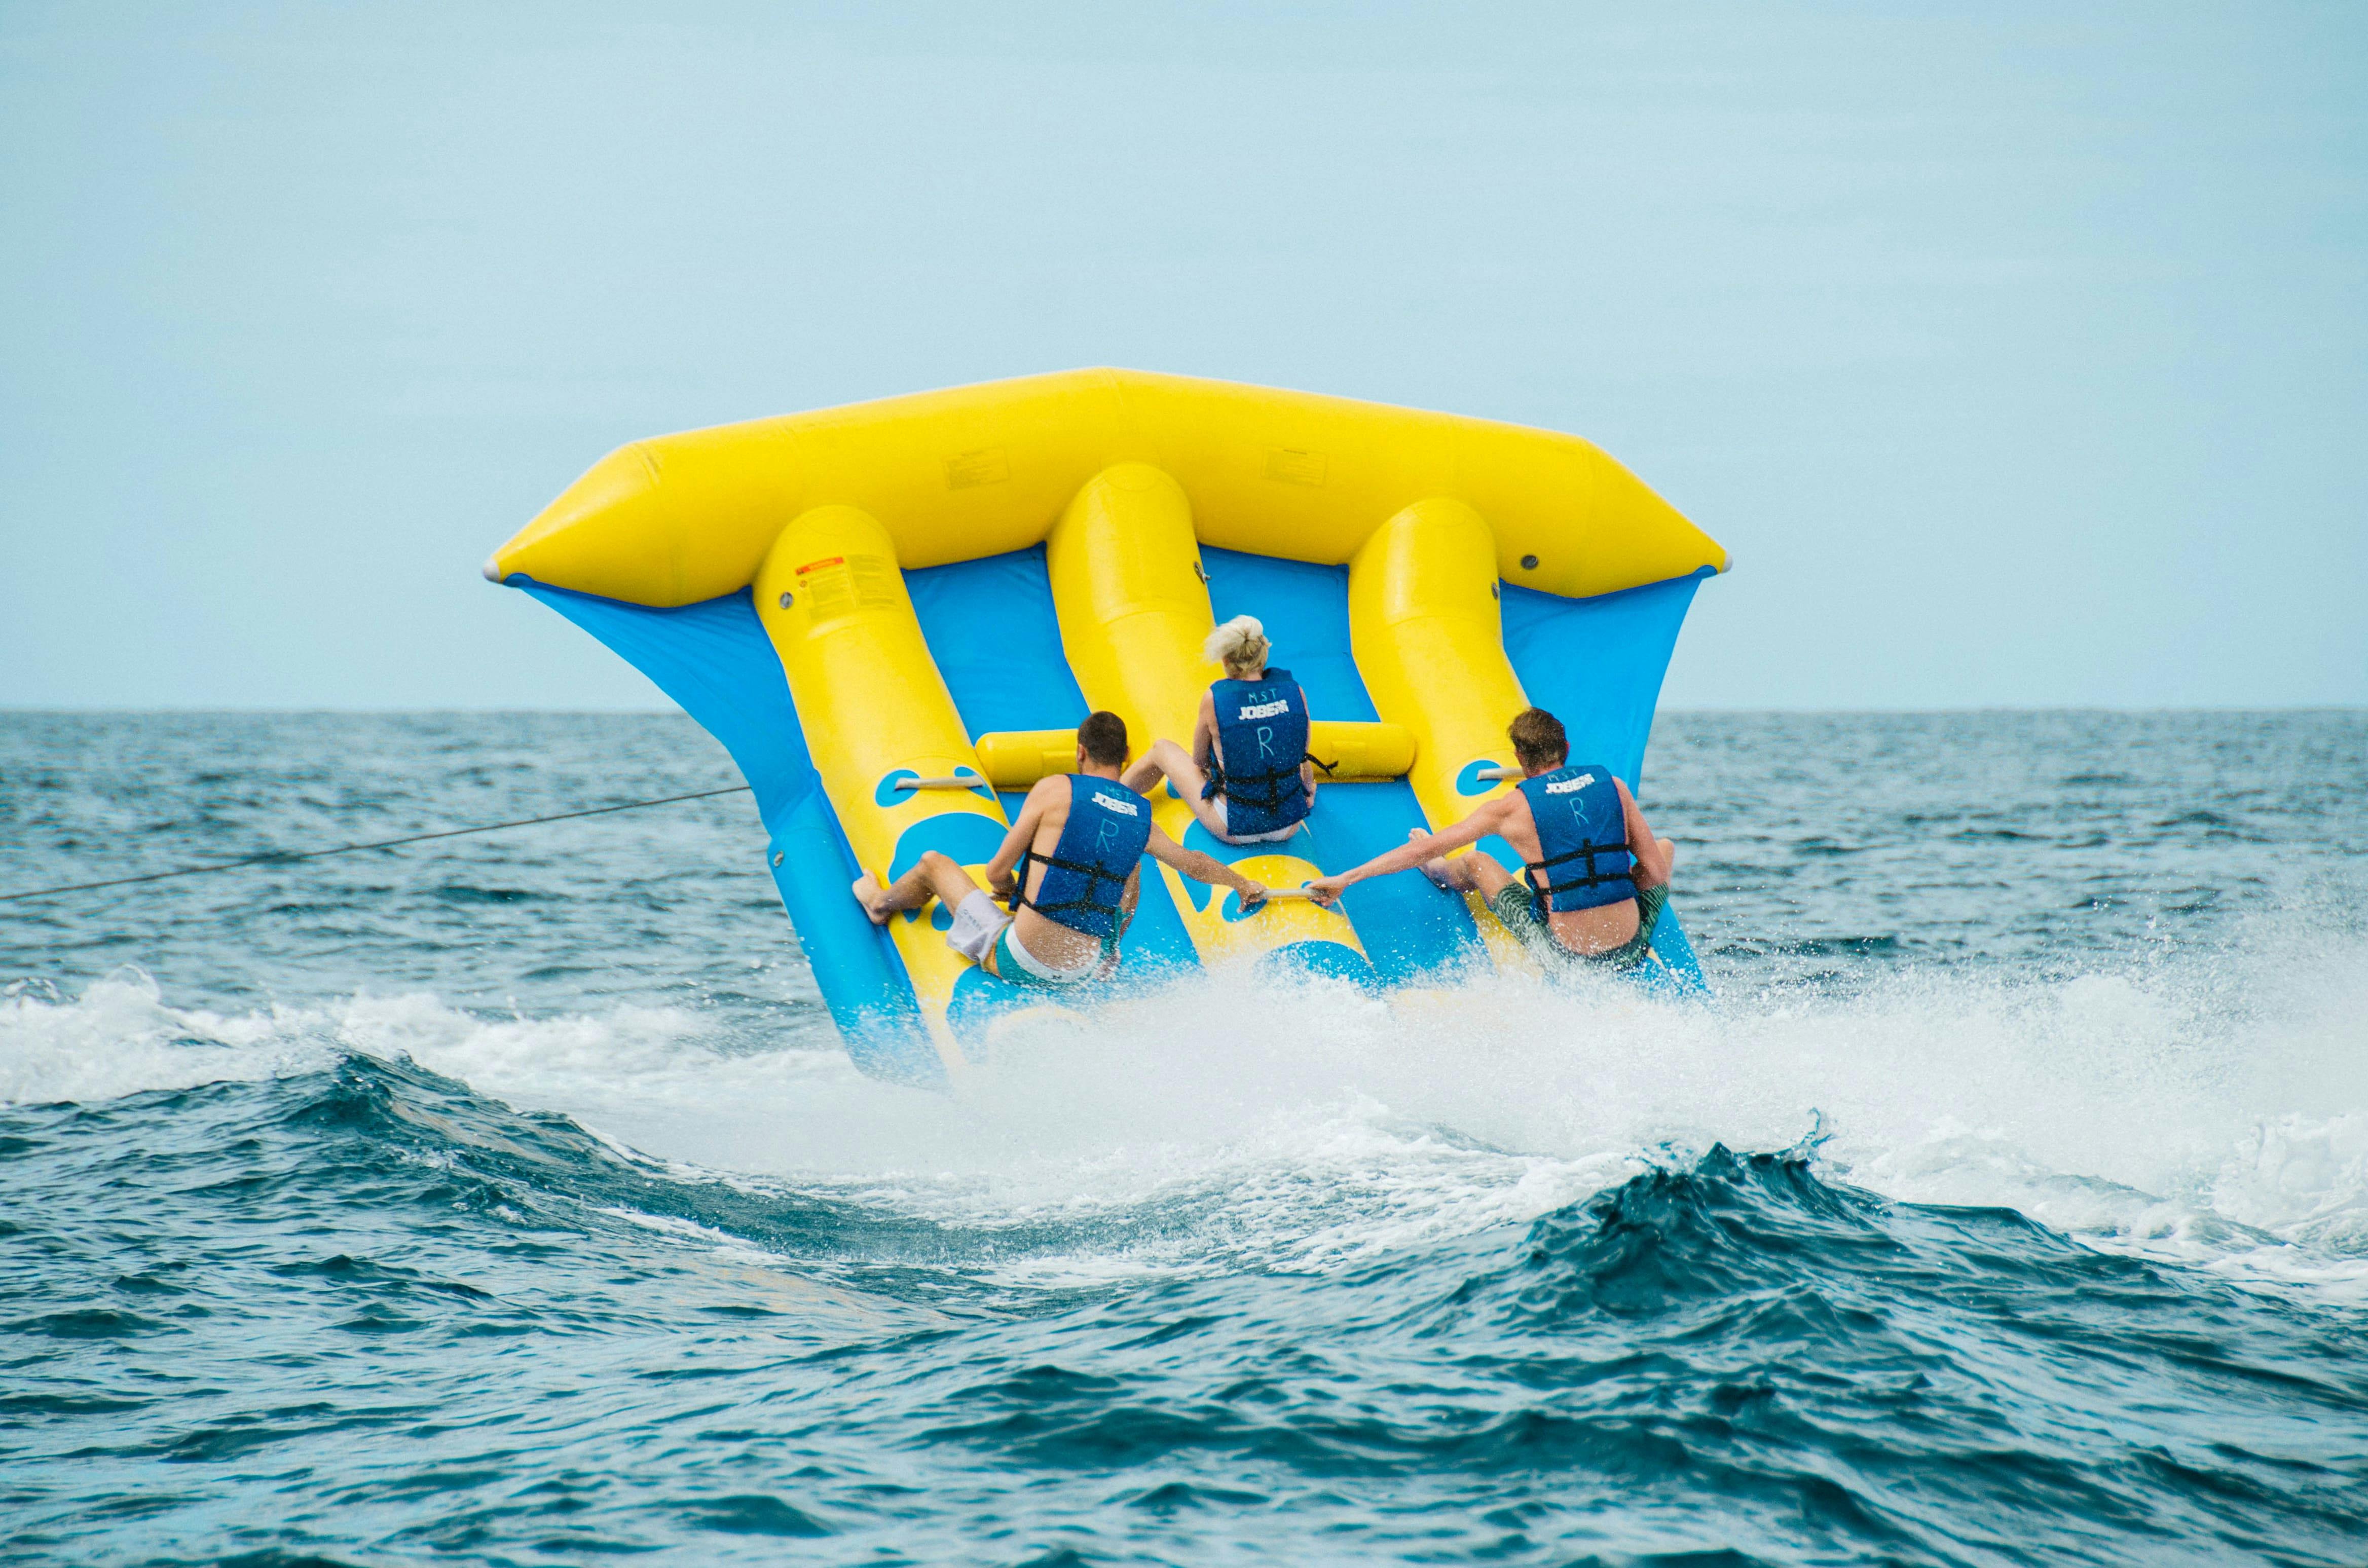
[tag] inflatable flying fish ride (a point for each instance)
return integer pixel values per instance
(894, 614)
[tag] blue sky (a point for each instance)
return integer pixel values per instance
(2020, 354)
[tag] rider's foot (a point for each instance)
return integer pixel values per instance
(868, 888)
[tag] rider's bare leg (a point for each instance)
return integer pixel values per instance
(939, 876)
(1166, 759)
(1654, 865)
(1475, 873)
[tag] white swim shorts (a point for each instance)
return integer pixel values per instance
(980, 921)
(1277, 837)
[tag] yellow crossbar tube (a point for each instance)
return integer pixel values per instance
(1357, 752)
(1015, 760)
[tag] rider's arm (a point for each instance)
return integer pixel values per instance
(1203, 867)
(1022, 834)
(1205, 732)
(1654, 857)
(1488, 819)
(1130, 898)
(1412, 853)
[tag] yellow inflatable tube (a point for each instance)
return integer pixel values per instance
(984, 470)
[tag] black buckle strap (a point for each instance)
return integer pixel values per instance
(1593, 878)
(1094, 874)
(1264, 790)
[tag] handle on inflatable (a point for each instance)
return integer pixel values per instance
(951, 781)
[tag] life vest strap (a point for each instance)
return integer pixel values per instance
(1584, 852)
(1264, 790)
(1593, 878)
(1093, 873)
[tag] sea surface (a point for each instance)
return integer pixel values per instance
(507, 1199)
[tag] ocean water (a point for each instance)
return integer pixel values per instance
(507, 1199)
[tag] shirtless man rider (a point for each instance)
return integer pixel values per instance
(1597, 878)
(1074, 857)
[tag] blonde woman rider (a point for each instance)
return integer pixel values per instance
(1249, 776)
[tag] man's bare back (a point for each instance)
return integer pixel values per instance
(1601, 928)
(1047, 944)
(1043, 936)
(1596, 930)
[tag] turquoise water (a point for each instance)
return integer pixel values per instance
(508, 1200)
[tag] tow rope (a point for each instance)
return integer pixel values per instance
(284, 855)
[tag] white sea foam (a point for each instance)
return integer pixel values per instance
(2208, 1108)
(119, 1038)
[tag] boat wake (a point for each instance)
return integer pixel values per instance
(2211, 1109)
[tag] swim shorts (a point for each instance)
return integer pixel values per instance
(981, 926)
(1277, 837)
(1524, 916)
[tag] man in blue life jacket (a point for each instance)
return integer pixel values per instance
(1248, 776)
(1596, 877)
(1071, 868)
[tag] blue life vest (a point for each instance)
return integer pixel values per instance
(1085, 877)
(1261, 741)
(1582, 839)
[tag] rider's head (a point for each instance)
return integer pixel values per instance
(1539, 743)
(1101, 740)
(1240, 646)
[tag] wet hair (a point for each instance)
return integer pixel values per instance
(1104, 737)
(1537, 738)
(1239, 644)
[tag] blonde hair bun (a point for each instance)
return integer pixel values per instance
(1239, 644)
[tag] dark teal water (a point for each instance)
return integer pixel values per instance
(508, 1200)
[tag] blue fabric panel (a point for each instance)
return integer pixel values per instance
(1597, 663)
(861, 978)
(991, 626)
(1305, 611)
(1683, 972)
(714, 659)
(1408, 927)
